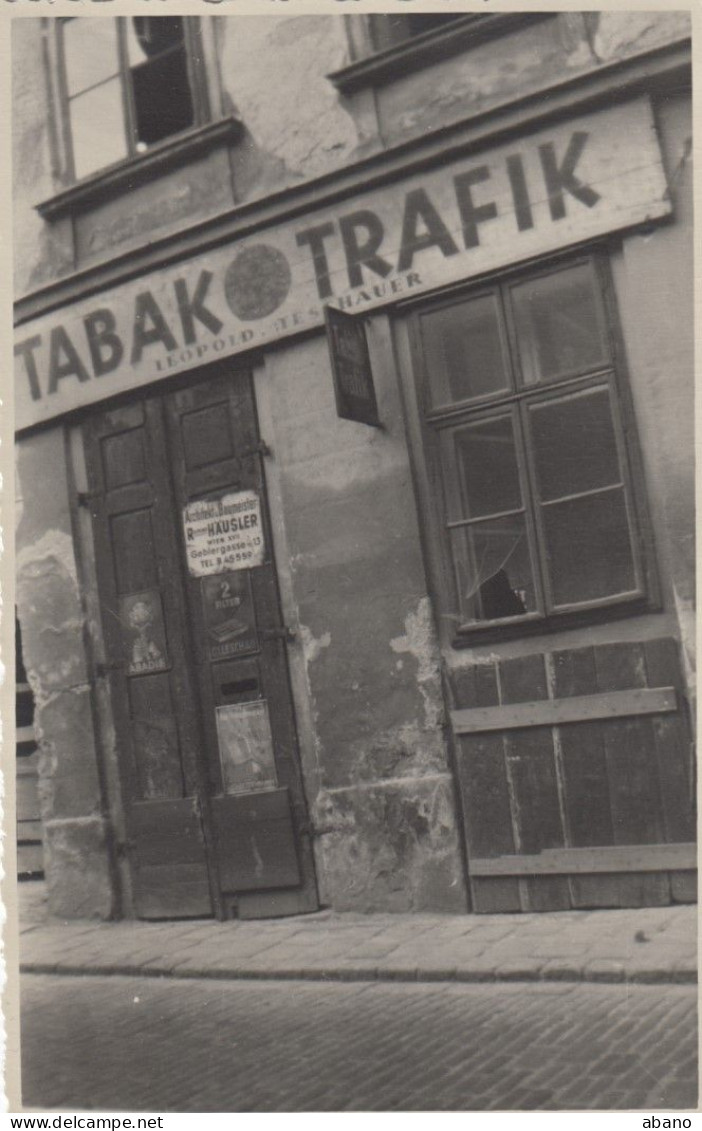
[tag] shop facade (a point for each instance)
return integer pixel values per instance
(392, 619)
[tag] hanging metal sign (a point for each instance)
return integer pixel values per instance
(223, 534)
(351, 367)
(228, 613)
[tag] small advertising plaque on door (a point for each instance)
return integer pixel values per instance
(227, 606)
(246, 747)
(141, 616)
(223, 534)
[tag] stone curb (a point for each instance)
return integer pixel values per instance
(564, 973)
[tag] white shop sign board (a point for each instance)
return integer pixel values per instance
(569, 182)
(223, 534)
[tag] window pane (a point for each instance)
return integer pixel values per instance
(463, 351)
(162, 98)
(148, 36)
(487, 468)
(493, 570)
(90, 52)
(97, 128)
(558, 325)
(575, 447)
(588, 548)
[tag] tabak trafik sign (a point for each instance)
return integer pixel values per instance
(570, 182)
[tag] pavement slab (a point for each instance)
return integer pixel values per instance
(639, 945)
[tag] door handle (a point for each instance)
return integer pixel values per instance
(282, 633)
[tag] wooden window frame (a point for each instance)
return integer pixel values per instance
(515, 401)
(202, 110)
(378, 58)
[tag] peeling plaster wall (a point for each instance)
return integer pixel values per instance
(42, 252)
(297, 127)
(526, 61)
(50, 614)
(384, 815)
(655, 287)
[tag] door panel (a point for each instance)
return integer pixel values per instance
(144, 630)
(241, 659)
(173, 879)
(257, 841)
(212, 788)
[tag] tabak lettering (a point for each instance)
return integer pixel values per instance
(104, 345)
(100, 346)
(571, 182)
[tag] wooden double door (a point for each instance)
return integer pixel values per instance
(196, 655)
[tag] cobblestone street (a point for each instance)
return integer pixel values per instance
(146, 1044)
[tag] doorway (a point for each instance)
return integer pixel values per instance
(196, 655)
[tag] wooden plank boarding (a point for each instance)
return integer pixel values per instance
(579, 861)
(552, 712)
(634, 793)
(586, 792)
(531, 770)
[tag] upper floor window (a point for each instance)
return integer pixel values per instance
(127, 83)
(387, 30)
(385, 48)
(526, 423)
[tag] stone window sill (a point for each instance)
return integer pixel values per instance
(423, 50)
(126, 175)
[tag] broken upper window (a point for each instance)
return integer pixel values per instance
(127, 83)
(525, 414)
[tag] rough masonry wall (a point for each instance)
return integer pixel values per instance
(51, 618)
(384, 816)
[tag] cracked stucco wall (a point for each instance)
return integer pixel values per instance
(51, 617)
(384, 816)
(655, 285)
(526, 61)
(297, 127)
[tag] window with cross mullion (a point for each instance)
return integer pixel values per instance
(127, 83)
(523, 410)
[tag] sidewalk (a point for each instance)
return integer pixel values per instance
(650, 944)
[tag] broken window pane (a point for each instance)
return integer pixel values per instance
(464, 351)
(157, 54)
(575, 446)
(488, 471)
(493, 569)
(588, 548)
(559, 328)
